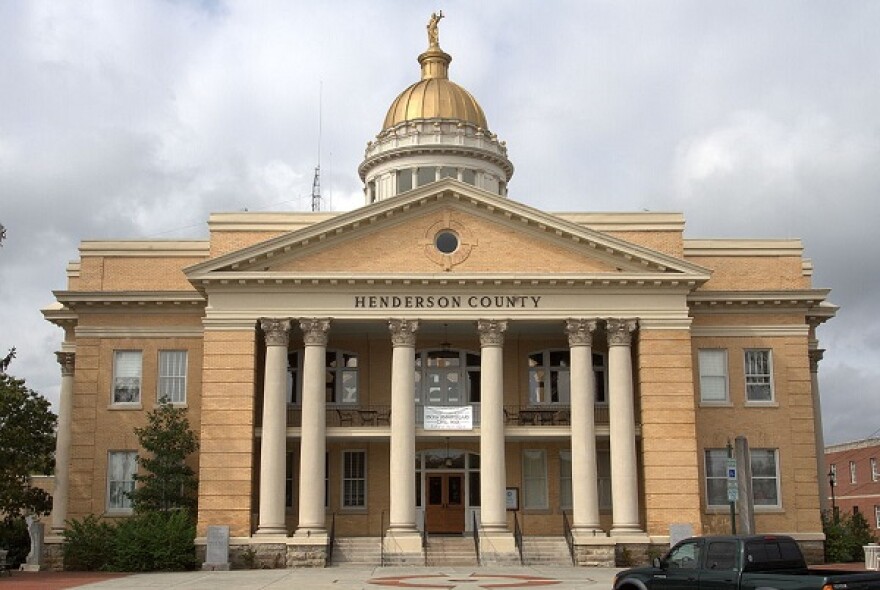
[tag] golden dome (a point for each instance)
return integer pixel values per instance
(434, 96)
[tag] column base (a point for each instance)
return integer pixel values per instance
(271, 532)
(311, 536)
(403, 547)
(498, 548)
(623, 532)
(585, 533)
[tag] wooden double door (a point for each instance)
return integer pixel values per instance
(445, 505)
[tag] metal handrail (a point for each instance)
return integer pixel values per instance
(569, 537)
(518, 538)
(332, 540)
(476, 538)
(382, 539)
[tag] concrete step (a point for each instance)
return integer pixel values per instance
(451, 551)
(357, 551)
(546, 551)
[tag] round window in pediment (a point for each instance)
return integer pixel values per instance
(446, 241)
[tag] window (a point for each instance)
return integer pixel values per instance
(765, 477)
(341, 382)
(852, 472)
(447, 377)
(534, 479)
(721, 555)
(127, 376)
(713, 375)
(121, 467)
(550, 377)
(354, 479)
(565, 500)
(875, 475)
(759, 373)
(172, 376)
(877, 517)
(684, 556)
(426, 175)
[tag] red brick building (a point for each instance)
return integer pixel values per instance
(855, 468)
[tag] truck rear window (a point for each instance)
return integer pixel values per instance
(773, 554)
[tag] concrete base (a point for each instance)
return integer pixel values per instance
(28, 567)
(216, 567)
(403, 548)
(498, 548)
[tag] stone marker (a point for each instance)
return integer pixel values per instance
(217, 551)
(35, 557)
(679, 532)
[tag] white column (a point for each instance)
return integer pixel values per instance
(313, 441)
(60, 495)
(821, 467)
(493, 476)
(621, 414)
(273, 443)
(403, 428)
(584, 470)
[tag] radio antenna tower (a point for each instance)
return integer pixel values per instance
(316, 182)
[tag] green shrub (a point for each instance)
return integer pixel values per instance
(15, 538)
(155, 541)
(845, 537)
(88, 544)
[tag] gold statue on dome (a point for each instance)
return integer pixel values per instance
(433, 33)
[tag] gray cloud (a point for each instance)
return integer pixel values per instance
(755, 119)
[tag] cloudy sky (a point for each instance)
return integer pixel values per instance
(756, 119)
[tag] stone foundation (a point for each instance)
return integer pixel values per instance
(306, 556)
(594, 555)
(53, 554)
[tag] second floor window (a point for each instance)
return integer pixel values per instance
(172, 376)
(713, 375)
(759, 376)
(341, 377)
(447, 377)
(550, 377)
(127, 376)
(852, 472)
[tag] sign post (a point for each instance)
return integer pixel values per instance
(732, 487)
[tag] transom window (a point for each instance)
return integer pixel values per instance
(341, 377)
(759, 376)
(550, 377)
(447, 377)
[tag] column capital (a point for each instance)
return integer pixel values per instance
(276, 330)
(491, 332)
(315, 331)
(580, 331)
(620, 331)
(816, 355)
(67, 360)
(403, 332)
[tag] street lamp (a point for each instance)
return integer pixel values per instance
(832, 480)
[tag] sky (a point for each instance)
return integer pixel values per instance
(756, 119)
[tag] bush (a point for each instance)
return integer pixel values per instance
(155, 541)
(15, 538)
(152, 541)
(88, 544)
(845, 537)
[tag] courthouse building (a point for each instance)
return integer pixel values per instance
(447, 360)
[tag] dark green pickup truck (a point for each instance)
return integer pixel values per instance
(759, 562)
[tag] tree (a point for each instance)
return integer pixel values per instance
(169, 482)
(27, 446)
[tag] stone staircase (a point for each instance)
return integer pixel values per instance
(356, 551)
(546, 551)
(451, 551)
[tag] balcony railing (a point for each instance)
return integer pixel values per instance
(380, 415)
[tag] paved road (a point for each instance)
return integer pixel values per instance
(351, 578)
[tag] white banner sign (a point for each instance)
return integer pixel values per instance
(449, 418)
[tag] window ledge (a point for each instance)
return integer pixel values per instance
(354, 510)
(718, 404)
(114, 512)
(125, 406)
(758, 510)
(771, 404)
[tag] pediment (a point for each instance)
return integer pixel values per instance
(496, 238)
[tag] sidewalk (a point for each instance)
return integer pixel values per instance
(336, 578)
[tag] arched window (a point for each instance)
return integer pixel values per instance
(341, 380)
(550, 377)
(447, 377)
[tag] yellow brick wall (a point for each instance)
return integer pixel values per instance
(668, 242)
(98, 427)
(500, 249)
(226, 461)
(739, 273)
(786, 425)
(670, 475)
(224, 242)
(135, 273)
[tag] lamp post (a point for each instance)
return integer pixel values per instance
(832, 480)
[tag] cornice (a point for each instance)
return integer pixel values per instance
(749, 331)
(626, 221)
(433, 148)
(797, 298)
(167, 300)
(149, 248)
(744, 247)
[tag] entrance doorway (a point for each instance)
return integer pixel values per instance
(445, 503)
